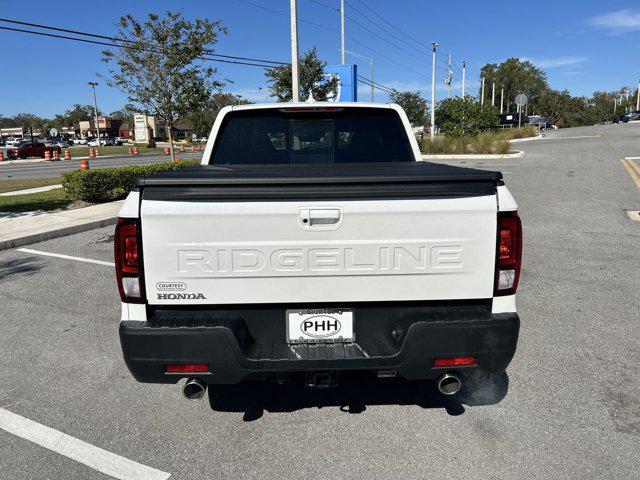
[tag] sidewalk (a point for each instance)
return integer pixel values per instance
(29, 191)
(18, 229)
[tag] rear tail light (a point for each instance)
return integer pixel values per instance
(188, 368)
(454, 361)
(128, 260)
(508, 253)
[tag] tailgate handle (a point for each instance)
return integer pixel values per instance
(320, 216)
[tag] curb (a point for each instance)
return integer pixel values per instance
(528, 139)
(471, 156)
(56, 233)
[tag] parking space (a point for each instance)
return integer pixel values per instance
(571, 409)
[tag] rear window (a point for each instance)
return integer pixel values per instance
(273, 136)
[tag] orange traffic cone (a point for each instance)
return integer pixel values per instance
(92, 153)
(67, 155)
(166, 150)
(1, 156)
(181, 148)
(56, 156)
(97, 152)
(84, 164)
(129, 151)
(47, 155)
(193, 148)
(135, 150)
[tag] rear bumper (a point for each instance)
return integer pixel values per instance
(249, 344)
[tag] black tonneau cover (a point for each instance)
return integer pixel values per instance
(373, 180)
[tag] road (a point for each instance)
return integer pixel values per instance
(15, 170)
(572, 409)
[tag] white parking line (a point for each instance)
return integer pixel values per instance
(570, 138)
(66, 257)
(94, 457)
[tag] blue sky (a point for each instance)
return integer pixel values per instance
(582, 45)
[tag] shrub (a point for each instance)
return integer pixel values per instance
(108, 184)
(457, 116)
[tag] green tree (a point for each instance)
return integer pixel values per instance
(160, 66)
(456, 116)
(414, 105)
(516, 76)
(312, 79)
(6, 122)
(202, 120)
(125, 113)
(79, 113)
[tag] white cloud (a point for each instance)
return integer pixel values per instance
(555, 62)
(618, 22)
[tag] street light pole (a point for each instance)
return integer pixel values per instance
(464, 75)
(482, 98)
(501, 99)
(95, 108)
(368, 59)
(342, 31)
(295, 75)
(433, 92)
(638, 98)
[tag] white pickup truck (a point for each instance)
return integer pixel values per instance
(313, 240)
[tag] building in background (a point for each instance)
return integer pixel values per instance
(148, 128)
(109, 127)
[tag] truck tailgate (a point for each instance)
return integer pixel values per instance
(202, 248)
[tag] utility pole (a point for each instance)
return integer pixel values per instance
(433, 92)
(493, 95)
(449, 77)
(370, 60)
(342, 30)
(482, 99)
(638, 98)
(464, 75)
(501, 99)
(615, 104)
(295, 62)
(93, 86)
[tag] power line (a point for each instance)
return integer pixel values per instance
(324, 5)
(276, 12)
(116, 39)
(96, 42)
(418, 42)
(371, 83)
(384, 39)
(353, 39)
(309, 22)
(378, 25)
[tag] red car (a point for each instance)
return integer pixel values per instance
(31, 149)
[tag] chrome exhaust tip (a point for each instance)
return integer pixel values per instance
(194, 389)
(449, 384)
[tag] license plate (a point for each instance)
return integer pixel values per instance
(320, 326)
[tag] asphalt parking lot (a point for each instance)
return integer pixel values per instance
(15, 170)
(572, 408)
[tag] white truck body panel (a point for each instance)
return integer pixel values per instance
(262, 252)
